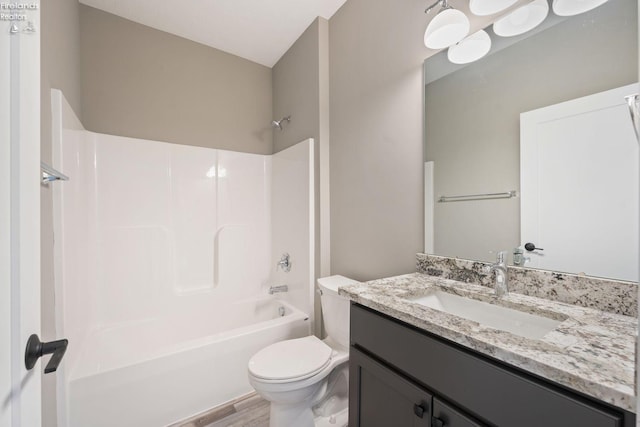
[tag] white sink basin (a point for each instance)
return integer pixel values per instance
(491, 315)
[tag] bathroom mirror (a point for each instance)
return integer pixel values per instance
(582, 192)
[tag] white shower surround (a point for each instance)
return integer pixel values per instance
(166, 251)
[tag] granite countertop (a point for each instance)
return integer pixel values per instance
(591, 351)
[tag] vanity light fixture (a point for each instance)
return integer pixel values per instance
(523, 19)
(489, 7)
(575, 7)
(447, 28)
(470, 49)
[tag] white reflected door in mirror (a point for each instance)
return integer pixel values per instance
(579, 182)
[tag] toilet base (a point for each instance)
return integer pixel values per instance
(294, 416)
(341, 419)
(323, 404)
(290, 415)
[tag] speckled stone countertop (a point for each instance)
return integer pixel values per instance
(614, 296)
(591, 351)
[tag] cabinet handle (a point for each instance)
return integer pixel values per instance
(419, 410)
(436, 422)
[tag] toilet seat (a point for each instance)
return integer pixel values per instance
(291, 360)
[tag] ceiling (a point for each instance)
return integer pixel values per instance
(258, 30)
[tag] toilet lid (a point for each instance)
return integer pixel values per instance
(302, 357)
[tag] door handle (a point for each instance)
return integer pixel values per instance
(36, 349)
(530, 247)
(437, 422)
(419, 410)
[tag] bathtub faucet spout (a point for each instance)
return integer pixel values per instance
(278, 289)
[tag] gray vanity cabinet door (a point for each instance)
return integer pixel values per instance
(378, 397)
(447, 416)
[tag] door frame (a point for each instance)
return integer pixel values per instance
(20, 398)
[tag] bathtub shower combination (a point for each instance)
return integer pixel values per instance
(164, 257)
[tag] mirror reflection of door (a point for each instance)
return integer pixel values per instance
(579, 182)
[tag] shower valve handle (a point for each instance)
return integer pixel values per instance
(36, 349)
(285, 262)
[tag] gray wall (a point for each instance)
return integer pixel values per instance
(301, 90)
(473, 119)
(296, 89)
(376, 55)
(60, 69)
(145, 83)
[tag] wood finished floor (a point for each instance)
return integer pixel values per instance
(247, 411)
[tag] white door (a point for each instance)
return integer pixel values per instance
(579, 183)
(19, 216)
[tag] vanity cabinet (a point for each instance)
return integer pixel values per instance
(387, 399)
(403, 376)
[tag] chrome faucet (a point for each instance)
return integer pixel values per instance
(502, 273)
(285, 262)
(278, 289)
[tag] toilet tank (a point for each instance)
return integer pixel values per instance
(335, 309)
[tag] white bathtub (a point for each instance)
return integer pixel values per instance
(155, 373)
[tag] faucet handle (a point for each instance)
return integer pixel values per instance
(501, 256)
(518, 257)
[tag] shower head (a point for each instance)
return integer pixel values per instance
(278, 123)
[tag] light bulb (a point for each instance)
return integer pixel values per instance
(523, 19)
(447, 28)
(470, 49)
(575, 7)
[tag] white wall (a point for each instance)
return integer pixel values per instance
(292, 219)
(151, 228)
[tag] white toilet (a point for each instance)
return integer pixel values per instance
(306, 379)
